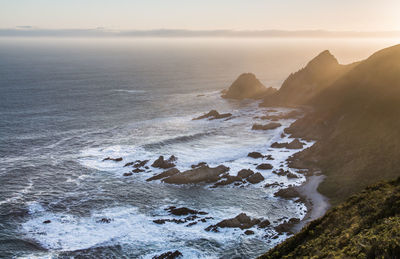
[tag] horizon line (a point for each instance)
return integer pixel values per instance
(29, 31)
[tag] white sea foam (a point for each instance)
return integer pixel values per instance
(128, 226)
(229, 143)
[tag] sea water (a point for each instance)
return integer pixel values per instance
(66, 104)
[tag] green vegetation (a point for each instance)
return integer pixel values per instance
(356, 121)
(367, 225)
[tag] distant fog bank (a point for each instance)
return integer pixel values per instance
(28, 31)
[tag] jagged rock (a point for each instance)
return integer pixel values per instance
(229, 180)
(287, 193)
(264, 166)
(137, 170)
(113, 159)
(269, 126)
(241, 221)
(202, 174)
(164, 174)
(287, 225)
(255, 178)
(139, 163)
(291, 176)
(244, 173)
(199, 164)
(159, 221)
(169, 255)
(249, 232)
(271, 185)
(263, 224)
(104, 220)
(164, 164)
(281, 172)
(255, 155)
(295, 144)
(247, 86)
(183, 211)
(268, 157)
(191, 224)
(129, 164)
(213, 115)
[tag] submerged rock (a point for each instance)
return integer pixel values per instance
(164, 164)
(269, 126)
(105, 220)
(169, 255)
(202, 174)
(47, 221)
(127, 174)
(213, 115)
(164, 174)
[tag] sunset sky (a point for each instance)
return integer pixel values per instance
(360, 15)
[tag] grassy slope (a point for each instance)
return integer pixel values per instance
(309, 81)
(357, 124)
(367, 225)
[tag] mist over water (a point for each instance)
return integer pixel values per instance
(66, 104)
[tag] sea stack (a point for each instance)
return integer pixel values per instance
(247, 86)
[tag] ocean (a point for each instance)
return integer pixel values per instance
(66, 104)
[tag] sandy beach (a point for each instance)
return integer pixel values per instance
(316, 203)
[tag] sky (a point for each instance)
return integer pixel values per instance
(336, 15)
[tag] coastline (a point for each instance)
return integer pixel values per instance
(316, 203)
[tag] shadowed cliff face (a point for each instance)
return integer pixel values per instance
(357, 123)
(247, 86)
(306, 83)
(367, 225)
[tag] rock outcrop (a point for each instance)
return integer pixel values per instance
(295, 144)
(247, 86)
(214, 115)
(255, 178)
(300, 87)
(164, 164)
(241, 221)
(164, 174)
(202, 174)
(118, 159)
(264, 166)
(169, 255)
(269, 126)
